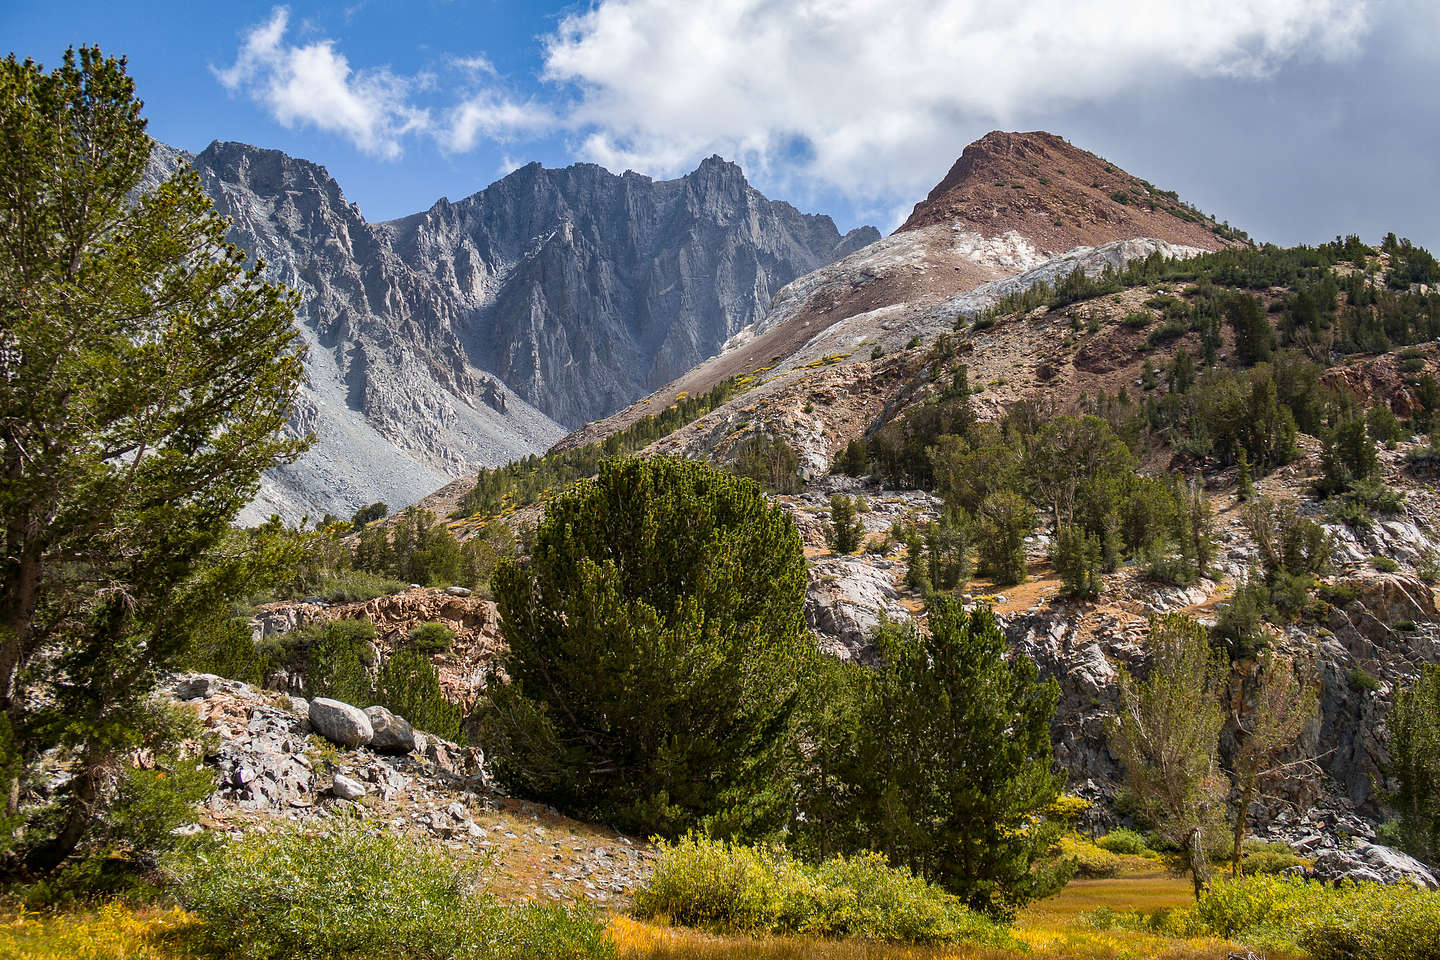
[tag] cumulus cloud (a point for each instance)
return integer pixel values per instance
(867, 95)
(493, 116)
(312, 85)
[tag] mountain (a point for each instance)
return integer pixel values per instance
(1013, 205)
(476, 331)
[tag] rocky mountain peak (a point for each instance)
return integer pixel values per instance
(1057, 197)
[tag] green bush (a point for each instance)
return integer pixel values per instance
(1091, 860)
(1359, 921)
(657, 646)
(429, 638)
(1124, 841)
(1384, 564)
(1268, 862)
(740, 889)
(409, 686)
(345, 892)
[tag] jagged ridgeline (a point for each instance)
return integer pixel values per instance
(501, 490)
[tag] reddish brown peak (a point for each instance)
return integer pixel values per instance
(1057, 196)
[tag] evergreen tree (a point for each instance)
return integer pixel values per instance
(1244, 483)
(1002, 524)
(1254, 340)
(407, 685)
(844, 533)
(957, 759)
(1077, 559)
(770, 462)
(854, 460)
(1415, 763)
(145, 378)
(657, 648)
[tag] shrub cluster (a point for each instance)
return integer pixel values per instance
(345, 892)
(1360, 921)
(733, 888)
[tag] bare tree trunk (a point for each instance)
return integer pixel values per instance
(1199, 868)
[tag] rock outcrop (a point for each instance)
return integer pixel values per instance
(340, 722)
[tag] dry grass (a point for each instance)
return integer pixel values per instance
(1052, 929)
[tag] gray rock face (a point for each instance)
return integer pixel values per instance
(1375, 863)
(392, 734)
(340, 723)
(475, 331)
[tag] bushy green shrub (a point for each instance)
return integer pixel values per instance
(761, 890)
(346, 892)
(409, 686)
(1090, 859)
(1359, 921)
(657, 645)
(431, 638)
(1124, 841)
(1268, 862)
(844, 533)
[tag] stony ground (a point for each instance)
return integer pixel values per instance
(271, 765)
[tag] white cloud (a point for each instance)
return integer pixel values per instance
(867, 95)
(312, 85)
(494, 116)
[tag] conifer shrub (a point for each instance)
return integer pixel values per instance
(431, 638)
(657, 647)
(1077, 558)
(844, 533)
(408, 685)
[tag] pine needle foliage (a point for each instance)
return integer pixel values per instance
(657, 649)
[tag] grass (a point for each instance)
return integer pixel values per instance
(1059, 928)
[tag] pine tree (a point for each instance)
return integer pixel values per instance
(408, 686)
(1244, 483)
(1002, 524)
(844, 533)
(657, 648)
(1415, 763)
(1077, 559)
(145, 378)
(957, 759)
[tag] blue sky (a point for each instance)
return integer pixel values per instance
(1294, 119)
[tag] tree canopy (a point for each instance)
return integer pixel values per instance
(145, 378)
(656, 651)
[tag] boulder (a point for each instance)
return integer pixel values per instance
(1373, 862)
(195, 686)
(392, 734)
(340, 723)
(347, 789)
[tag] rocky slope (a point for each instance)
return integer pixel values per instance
(468, 334)
(1012, 204)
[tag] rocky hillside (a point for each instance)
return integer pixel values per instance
(1013, 205)
(1058, 197)
(476, 331)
